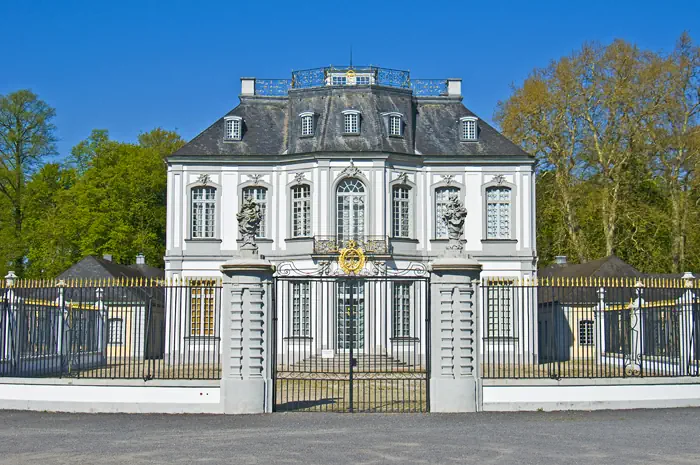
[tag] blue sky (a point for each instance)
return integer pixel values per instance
(130, 66)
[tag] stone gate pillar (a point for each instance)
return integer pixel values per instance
(246, 357)
(454, 323)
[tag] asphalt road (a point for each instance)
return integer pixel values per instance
(607, 437)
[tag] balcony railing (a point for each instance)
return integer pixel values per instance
(371, 245)
(349, 75)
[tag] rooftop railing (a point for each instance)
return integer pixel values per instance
(349, 76)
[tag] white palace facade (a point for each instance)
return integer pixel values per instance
(344, 153)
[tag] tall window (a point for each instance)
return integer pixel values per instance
(351, 209)
(301, 211)
(442, 197)
(394, 125)
(301, 309)
(233, 129)
(498, 205)
(499, 318)
(469, 129)
(585, 332)
(203, 212)
(307, 125)
(402, 309)
(351, 123)
(259, 194)
(202, 309)
(401, 212)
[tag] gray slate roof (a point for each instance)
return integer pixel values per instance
(271, 125)
(92, 267)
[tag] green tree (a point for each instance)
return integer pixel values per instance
(614, 132)
(50, 236)
(26, 139)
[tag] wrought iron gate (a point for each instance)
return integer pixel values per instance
(351, 343)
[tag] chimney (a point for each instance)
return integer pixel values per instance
(140, 259)
(247, 86)
(454, 87)
(560, 259)
(107, 257)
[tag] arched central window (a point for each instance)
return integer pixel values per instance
(351, 200)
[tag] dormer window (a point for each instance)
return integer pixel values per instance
(307, 124)
(394, 125)
(468, 128)
(351, 122)
(232, 126)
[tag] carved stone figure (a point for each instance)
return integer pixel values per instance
(248, 220)
(454, 217)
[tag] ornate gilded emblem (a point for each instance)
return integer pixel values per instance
(352, 258)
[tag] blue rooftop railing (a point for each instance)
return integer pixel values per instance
(350, 75)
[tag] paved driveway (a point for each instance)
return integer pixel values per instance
(610, 437)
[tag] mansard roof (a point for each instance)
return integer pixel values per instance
(271, 123)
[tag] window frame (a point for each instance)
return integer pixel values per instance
(405, 327)
(464, 122)
(206, 292)
(307, 117)
(358, 122)
(204, 201)
(365, 206)
(587, 330)
(302, 313)
(122, 330)
(236, 132)
(408, 200)
(504, 330)
(513, 205)
(293, 205)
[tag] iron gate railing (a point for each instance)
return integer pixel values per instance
(116, 329)
(590, 328)
(351, 344)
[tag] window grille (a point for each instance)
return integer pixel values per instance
(469, 129)
(203, 212)
(307, 125)
(115, 330)
(395, 125)
(339, 80)
(352, 125)
(401, 211)
(362, 80)
(233, 129)
(498, 205)
(402, 309)
(259, 194)
(202, 310)
(585, 332)
(301, 211)
(442, 197)
(499, 319)
(301, 309)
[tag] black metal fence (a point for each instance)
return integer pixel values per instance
(351, 344)
(118, 329)
(590, 328)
